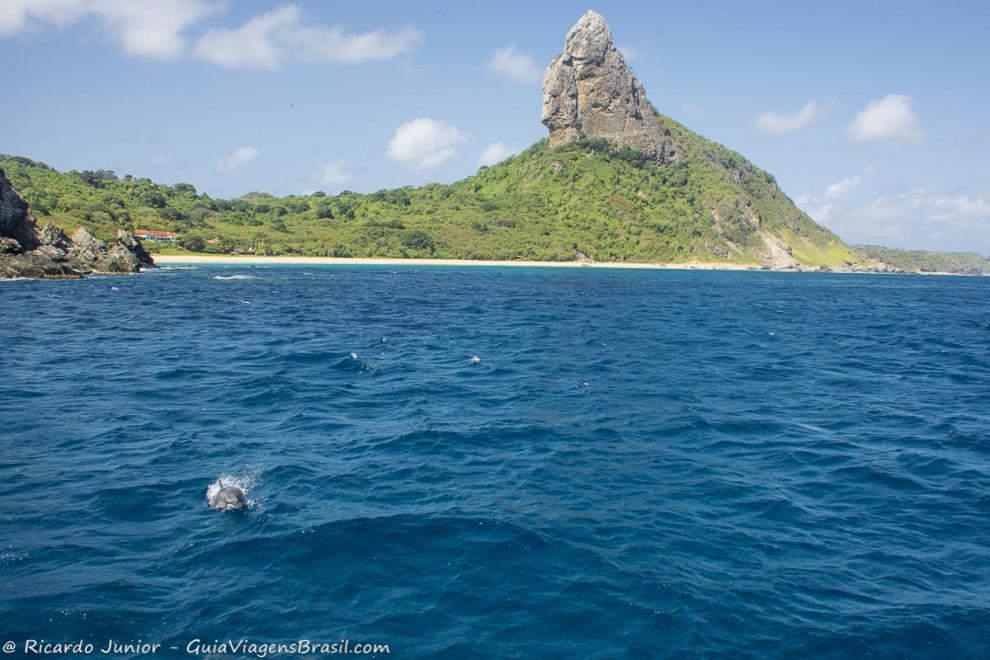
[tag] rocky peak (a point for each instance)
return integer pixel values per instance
(590, 92)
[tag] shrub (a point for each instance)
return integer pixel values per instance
(417, 239)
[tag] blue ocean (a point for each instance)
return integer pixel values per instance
(467, 462)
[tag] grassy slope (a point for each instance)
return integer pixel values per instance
(924, 261)
(548, 204)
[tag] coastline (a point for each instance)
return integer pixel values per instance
(173, 259)
(254, 260)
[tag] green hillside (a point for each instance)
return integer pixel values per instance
(587, 199)
(924, 261)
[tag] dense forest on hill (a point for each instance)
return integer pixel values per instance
(588, 199)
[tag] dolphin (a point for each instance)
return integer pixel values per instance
(228, 497)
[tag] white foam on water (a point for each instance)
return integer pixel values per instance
(234, 277)
(474, 359)
(354, 356)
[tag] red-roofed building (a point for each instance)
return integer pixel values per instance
(156, 235)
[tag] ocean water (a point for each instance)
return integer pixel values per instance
(634, 464)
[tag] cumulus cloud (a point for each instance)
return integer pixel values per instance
(823, 207)
(333, 173)
(155, 28)
(146, 29)
(279, 36)
(777, 123)
(889, 120)
(424, 143)
(496, 152)
(514, 65)
(923, 217)
(236, 160)
(964, 211)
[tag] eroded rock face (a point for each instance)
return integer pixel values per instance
(589, 91)
(86, 248)
(15, 222)
(49, 253)
(133, 245)
(119, 260)
(53, 236)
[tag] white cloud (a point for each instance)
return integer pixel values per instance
(692, 108)
(824, 207)
(628, 53)
(155, 28)
(236, 160)
(891, 120)
(922, 218)
(514, 65)
(279, 36)
(496, 152)
(930, 205)
(424, 143)
(146, 29)
(776, 123)
(841, 187)
(333, 173)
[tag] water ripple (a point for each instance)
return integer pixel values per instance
(637, 464)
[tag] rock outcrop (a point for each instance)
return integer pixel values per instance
(126, 240)
(26, 251)
(590, 92)
(16, 224)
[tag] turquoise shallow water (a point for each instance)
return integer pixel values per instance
(642, 463)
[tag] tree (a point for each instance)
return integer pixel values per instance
(155, 200)
(193, 242)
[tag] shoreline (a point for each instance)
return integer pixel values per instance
(254, 260)
(174, 259)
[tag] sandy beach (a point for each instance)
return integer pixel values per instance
(172, 259)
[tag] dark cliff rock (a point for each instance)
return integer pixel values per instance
(49, 253)
(16, 224)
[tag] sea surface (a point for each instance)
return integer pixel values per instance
(493, 462)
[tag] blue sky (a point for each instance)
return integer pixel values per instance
(872, 115)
